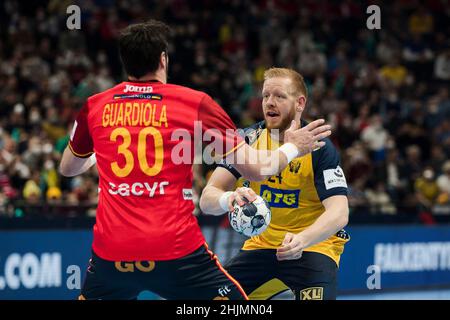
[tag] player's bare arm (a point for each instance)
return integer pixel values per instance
(334, 218)
(72, 165)
(257, 165)
(217, 195)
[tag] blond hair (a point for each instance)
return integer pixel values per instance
(298, 82)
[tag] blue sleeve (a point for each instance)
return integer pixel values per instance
(329, 178)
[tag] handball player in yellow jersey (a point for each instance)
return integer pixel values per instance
(301, 247)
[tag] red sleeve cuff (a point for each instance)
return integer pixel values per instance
(80, 155)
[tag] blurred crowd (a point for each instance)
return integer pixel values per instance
(386, 92)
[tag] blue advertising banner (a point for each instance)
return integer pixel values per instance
(43, 264)
(395, 257)
(51, 264)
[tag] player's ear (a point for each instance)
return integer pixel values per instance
(162, 60)
(301, 103)
(164, 63)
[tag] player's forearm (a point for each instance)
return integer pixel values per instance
(274, 164)
(71, 171)
(328, 224)
(209, 201)
(257, 165)
(265, 164)
(88, 164)
(71, 166)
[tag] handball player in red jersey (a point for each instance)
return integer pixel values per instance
(138, 134)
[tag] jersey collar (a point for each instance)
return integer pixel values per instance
(144, 81)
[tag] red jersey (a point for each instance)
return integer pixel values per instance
(142, 136)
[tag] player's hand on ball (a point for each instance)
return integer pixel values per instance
(253, 216)
(239, 195)
(291, 248)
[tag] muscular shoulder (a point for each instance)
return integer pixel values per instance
(185, 92)
(329, 178)
(107, 94)
(327, 153)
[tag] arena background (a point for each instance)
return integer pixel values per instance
(382, 83)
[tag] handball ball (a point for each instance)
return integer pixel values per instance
(252, 218)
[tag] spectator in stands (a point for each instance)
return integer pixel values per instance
(357, 163)
(421, 22)
(379, 200)
(394, 175)
(376, 137)
(427, 189)
(53, 195)
(443, 199)
(443, 181)
(32, 192)
(357, 199)
(394, 73)
(437, 158)
(387, 49)
(442, 66)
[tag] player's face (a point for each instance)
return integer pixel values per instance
(279, 103)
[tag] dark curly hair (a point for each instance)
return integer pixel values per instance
(141, 45)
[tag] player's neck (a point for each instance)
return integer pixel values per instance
(154, 76)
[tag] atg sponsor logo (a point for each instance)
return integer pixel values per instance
(279, 198)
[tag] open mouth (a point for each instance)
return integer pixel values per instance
(272, 114)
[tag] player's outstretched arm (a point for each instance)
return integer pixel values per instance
(257, 165)
(334, 218)
(217, 198)
(71, 165)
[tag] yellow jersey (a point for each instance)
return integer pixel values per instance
(295, 195)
